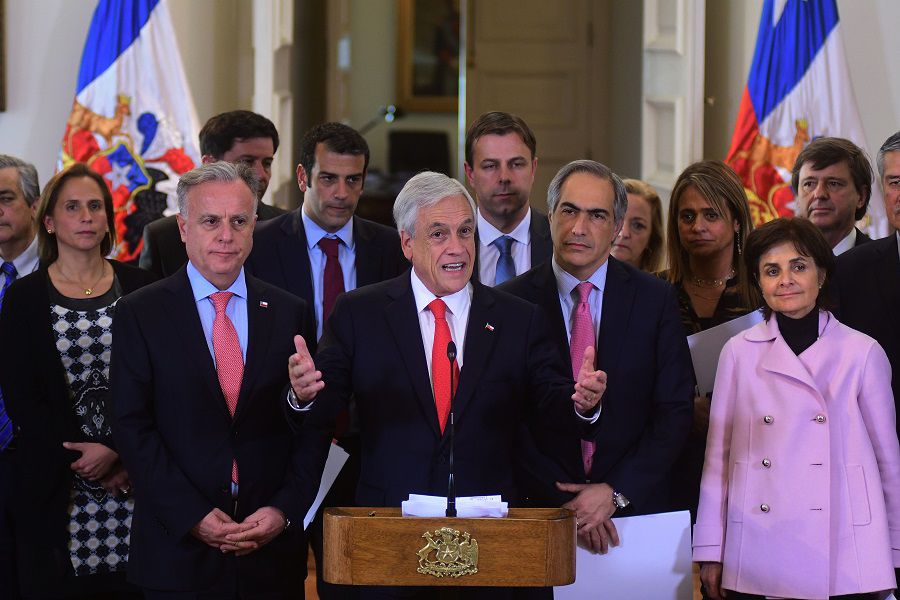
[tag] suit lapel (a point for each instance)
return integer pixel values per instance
(294, 257)
(368, 254)
(186, 322)
(478, 347)
(547, 295)
(618, 298)
(888, 269)
(781, 359)
(259, 332)
(404, 324)
(541, 244)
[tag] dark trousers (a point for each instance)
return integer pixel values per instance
(9, 581)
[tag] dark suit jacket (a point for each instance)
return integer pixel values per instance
(280, 255)
(861, 238)
(177, 439)
(163, 251)
(648, 403)
(37, 396)
(868, 296)
(372, 348)
(541, 244)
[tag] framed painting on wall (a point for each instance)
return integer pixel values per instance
(428, 55)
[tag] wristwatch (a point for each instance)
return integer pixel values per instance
(620, 500)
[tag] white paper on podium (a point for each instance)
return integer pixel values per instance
(652, 562)
(469, 507)
(337, 456)
(707, 345)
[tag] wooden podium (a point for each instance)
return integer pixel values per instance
(378, 546)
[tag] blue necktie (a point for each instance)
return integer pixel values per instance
(6, 430)
(506, 268)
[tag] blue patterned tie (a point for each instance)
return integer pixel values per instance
(506, 268)
(6, 430)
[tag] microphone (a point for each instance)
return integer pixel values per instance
(451, 484)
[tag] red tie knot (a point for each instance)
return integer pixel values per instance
(584, 290)
(220, 301)
(330, 246)
(438, 308)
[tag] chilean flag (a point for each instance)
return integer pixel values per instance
(133, 118)
(798, 89)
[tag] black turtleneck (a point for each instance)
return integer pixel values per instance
(800, 333)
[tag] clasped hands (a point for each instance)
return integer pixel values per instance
(220, 531)
(101, 464)
(594, 508)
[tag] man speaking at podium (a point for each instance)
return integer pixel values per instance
(386, 344)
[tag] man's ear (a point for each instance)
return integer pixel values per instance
(302, 180)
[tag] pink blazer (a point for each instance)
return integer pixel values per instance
(800, 496)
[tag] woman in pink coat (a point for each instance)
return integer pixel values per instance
(800, 496)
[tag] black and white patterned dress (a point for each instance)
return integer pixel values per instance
(99, 523)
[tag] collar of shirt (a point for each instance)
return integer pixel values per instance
(314, 233)
(236, 309)
(458, 305)
(487, 233)
(898, 242)
(845, 244)
(565, 285)
(27, 262)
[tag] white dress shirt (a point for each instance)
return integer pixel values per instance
(458, 305)
(845, 244)
(488, 254)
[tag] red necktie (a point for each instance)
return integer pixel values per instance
(333, 279)
(440, 363)
(582, 338)
(229, 358)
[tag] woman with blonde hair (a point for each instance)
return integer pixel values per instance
(640, 242)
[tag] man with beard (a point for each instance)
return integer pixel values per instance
(832, 179)
(500, 166)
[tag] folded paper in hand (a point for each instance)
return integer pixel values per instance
(466, 506)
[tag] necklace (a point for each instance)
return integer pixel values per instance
(87, 290)
(711, 283)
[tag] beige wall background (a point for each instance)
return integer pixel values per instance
(44, 40)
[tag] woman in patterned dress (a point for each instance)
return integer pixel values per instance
(72, 510)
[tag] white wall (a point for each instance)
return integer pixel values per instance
(869, 40)
(44, 41)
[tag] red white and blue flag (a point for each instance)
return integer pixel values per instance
(798, 89)
(133, 118)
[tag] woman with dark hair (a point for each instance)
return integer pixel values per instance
(800, 496)
(709, 221)
(71, 508)
(640, 242)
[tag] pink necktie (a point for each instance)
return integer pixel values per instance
(229, 358)
(582, 338)
(440, 362)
